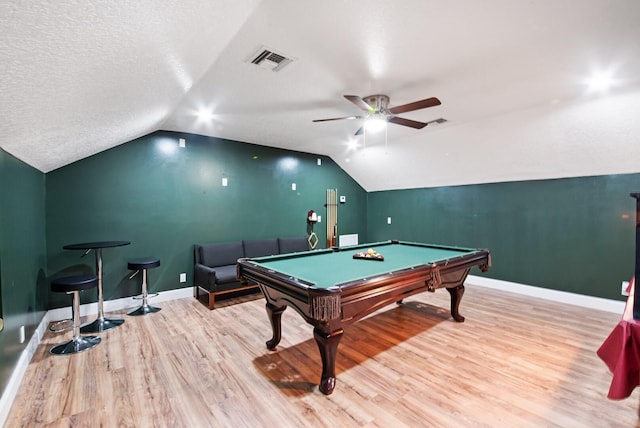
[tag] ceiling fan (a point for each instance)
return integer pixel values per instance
(377, 108)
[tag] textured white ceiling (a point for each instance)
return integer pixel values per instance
(82, 76)
(79, 77)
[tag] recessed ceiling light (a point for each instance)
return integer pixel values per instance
(204, 114)
(352, 144)
(600, 81)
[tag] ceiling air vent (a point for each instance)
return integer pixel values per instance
(269, 59)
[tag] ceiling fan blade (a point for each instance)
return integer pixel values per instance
(337, 118)
(407, 122)
(417, 105)
(359, 102)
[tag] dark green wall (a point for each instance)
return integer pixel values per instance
(23, 286)
(575, 234)
(164, 199)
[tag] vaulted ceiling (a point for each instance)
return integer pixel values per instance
(80, 77)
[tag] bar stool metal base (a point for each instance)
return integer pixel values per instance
(143, 310)
(101, 324)
(76, 345)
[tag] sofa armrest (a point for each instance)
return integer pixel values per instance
(204, 276)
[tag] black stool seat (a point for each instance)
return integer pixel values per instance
(147, 263)
(74, 283)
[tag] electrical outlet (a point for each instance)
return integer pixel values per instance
(625, 284)
(183, 277)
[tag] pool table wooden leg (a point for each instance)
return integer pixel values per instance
(328, 346)
(456, 295)
(275, 315)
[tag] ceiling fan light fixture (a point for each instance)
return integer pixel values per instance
(375, 123)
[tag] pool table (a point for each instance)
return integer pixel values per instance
(332, 289)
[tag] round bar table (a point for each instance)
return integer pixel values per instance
(101, 323)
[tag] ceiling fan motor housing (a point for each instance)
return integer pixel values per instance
(378, 103)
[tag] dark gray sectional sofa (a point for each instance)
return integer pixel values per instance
(214, 270)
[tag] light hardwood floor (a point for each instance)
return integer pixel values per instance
(515, 362)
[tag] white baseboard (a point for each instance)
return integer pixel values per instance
(9, 394)
(598, 303)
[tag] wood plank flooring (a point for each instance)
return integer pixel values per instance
(515, 362)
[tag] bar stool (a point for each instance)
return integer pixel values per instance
(142, 265)
(75, 284)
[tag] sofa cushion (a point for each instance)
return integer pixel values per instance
(293, 245)
(260, 247)
(222, 254)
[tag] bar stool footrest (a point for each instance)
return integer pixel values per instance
(60, 326)
(149, 296)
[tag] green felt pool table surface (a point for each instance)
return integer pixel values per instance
(327, 268)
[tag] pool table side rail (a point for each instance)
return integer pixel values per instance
(407, 243)
(438, 246)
